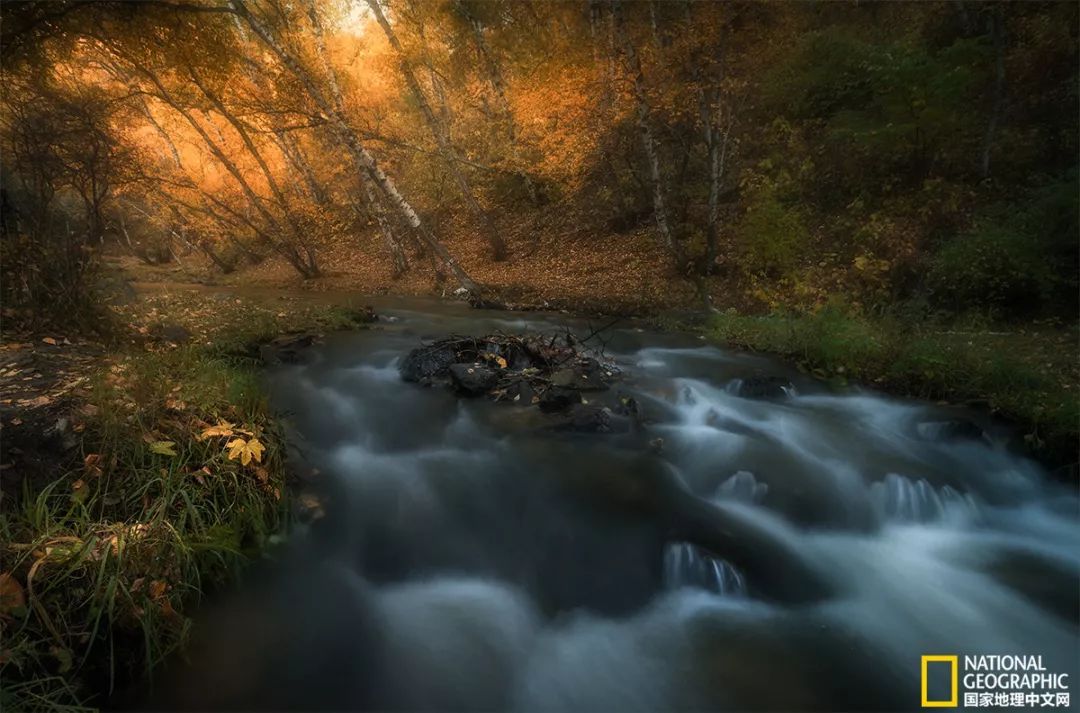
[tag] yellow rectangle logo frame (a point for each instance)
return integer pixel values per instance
(952, 702)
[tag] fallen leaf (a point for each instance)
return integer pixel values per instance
(49, 340)
(11, 594)
(92, 464)
(222, 429)
(245, 451)
(163, 448)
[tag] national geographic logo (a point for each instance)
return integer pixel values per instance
(952, 662)
(996, 681)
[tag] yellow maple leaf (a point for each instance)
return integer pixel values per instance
(222, 429)
(245, 451)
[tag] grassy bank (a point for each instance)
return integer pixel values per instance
(1029, 376)
(175, 481)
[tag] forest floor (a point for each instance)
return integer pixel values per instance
(139, 472)
(553, 264)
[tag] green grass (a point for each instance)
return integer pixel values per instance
(1027, 376)
(114, 555)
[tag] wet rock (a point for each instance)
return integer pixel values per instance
(522, 393)
(629, 407)
(563, 377)
(427, 363)
(285, 349)
(585, 375)
(473, 379)
(594, 419)
(593, 376)
(559, 398)
(762, 387)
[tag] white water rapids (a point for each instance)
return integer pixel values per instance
(471, 560)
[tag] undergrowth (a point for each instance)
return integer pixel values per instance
(105, 564)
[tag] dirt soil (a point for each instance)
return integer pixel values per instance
(43, 381)
(552, 265)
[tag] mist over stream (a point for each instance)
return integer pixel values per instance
(471, 559)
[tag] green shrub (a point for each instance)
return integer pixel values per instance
(771, 236)
(992, 265)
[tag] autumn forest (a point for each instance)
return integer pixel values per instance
(880, 194)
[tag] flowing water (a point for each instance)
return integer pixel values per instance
(799, 551)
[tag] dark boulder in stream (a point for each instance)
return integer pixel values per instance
(473, 379)
(550, 372)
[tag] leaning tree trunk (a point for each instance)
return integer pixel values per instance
(299, 244)
(442, 138)
(390, 240)
(648, 142)
(360, 154)
(287, 251)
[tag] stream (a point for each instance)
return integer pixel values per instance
(470, 558)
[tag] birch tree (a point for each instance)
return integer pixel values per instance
(648, 141)
(351, 141)
(441, 134)
(375, 205)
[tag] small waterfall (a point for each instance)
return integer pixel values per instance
(687, 566)
(744, 487)
(900, 499)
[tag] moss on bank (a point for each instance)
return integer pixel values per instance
(1030, 377)
(106, 559)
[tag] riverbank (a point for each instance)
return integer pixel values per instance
(141, 473)
(1029, 377)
